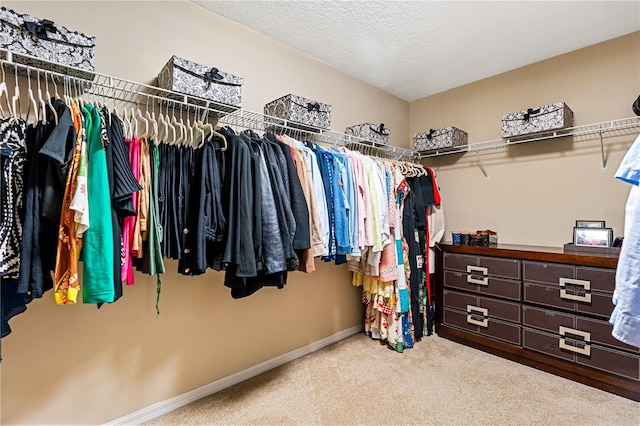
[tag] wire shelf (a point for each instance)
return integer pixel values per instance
(118, 89)
(621, 126)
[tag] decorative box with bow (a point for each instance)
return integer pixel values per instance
(23, 34)
(537, 121)
(440, 140)
(303, 113)
(191, 78)
(369, 132)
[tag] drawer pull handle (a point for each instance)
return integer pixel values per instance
(477, 316)
(586, 336)
(471, 270)
(582, 283)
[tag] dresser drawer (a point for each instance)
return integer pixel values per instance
(476, 320)
(574, 278)
(572, 347)
(599, 331)
(483, 266)
(495, 308)
(546, 272)
(600, 279)
(500, 287)
(579, 300)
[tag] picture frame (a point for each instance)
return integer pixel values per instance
(590, 224)
(592, 237)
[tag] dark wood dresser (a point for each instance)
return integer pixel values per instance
(539, 307)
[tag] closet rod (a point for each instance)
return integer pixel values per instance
(106, 86)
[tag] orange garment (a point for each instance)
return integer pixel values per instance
(142, 216)
(66, 283)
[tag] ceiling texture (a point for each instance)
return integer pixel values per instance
(414, 49)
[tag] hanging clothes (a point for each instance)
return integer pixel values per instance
(98, 239)
(13, 156)
(66, 281)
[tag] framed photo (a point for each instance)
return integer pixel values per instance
(590, 224)
(592, 237)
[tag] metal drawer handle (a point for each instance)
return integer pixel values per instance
(582, 283)
(477, 316)
(586, 336)
(477, 270)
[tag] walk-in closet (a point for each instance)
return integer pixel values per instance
(319, 212)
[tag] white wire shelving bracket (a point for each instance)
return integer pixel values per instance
(602, 129)
(102, 86)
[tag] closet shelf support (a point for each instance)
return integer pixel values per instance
(484, 171)
(604, 161)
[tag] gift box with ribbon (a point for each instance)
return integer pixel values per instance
(191, 78)
(42, 39)
(440, 140)
(299, 112)
(537, 121)
(376, 134)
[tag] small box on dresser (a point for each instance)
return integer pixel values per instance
(300, 112)
(440, 140)
(537, 121)
(377, 134)
(191, 78)
(43, 39)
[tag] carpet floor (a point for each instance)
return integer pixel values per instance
(360, 382)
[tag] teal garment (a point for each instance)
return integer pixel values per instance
(98, 239)
(156, 264)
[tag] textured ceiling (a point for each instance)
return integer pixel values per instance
(414, 49)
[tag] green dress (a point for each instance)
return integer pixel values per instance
(98, 239)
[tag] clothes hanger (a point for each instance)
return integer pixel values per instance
(189, 129)
(163, 131)
(4, 93)
(177, 139)
(43, 106)
(32, 99)
(198, 132)
(183, 129)
(15, 100)
(49, 104)
(145, 122)
(151, 118)
(128, 128)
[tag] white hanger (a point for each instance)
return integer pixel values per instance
(139, 116)
(32, 99)
(189, 129)
(151, 118)
(15, 100)
(43, 105)
(128, 124)
(49, 104)
(177, 126)
(4, 93)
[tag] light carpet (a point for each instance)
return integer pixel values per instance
(439, 382)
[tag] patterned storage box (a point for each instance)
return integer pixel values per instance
(536, 121)
(191, 78)
(436, 140)
(23, 34)
(303, 113)
(374, 133)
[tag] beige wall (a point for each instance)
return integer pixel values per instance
(80, 365)
(536, 191)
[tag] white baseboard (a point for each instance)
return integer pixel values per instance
(163, 407)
